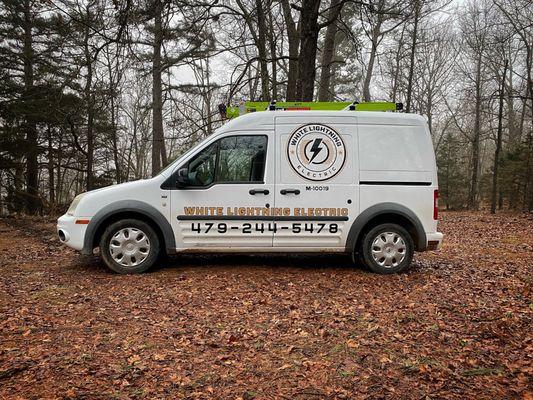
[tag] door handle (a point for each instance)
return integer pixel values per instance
(287, 191)
(256, 191)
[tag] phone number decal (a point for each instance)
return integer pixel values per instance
(261, 227)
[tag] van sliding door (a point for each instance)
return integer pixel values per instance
(316, 188)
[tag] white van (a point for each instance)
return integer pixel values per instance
(361, 183)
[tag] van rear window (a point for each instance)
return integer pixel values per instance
(392, 147)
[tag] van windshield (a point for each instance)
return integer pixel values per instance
(172, 164)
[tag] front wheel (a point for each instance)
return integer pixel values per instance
(129, 246)
(387, 249)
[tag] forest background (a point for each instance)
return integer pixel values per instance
(98, 92)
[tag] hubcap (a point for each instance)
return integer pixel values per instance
(388, 249)
(129, 247)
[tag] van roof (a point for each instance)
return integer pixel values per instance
(266, 119)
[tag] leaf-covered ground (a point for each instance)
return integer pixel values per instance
(458, 325)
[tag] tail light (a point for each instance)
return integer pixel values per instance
(436, 204)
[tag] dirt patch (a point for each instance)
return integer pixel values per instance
(457, 325)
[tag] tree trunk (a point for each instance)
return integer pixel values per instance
(32, 166)
(113, 85)
(429, 110)
(498, 144)
(274, 62)
(529, 66)
(261, 48)
(474, 182)
(305, 83)
(335, 66)
(376, 32)
(51, 176)
(58, 163)
(328, 52)
(114, 132)
(514, 130)
(396, 73)
(157, 92)
(528, 193)
(412, 56)
(293, 39)
(89, 98)
(208, 96)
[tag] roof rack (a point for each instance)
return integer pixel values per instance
(253, 106)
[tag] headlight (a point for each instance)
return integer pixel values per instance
(74, 204)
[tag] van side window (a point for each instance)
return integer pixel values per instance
(241, 159)
(201, 171)
(230, 159)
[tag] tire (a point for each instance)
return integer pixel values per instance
(387, 249)
(129, 246)
(358, 259)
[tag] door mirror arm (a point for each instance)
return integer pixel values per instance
(182, 178)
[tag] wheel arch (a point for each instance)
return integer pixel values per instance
(386, 213)
(128, 209)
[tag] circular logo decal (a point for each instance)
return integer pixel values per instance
(316, 152)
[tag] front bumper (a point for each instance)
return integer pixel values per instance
(434, 240)
(71, 233)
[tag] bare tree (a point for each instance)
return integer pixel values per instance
(475, 25)
(328, 51)
(379, 19)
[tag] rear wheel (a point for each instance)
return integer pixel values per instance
(387, 249)
(129, 246)
(358, 259)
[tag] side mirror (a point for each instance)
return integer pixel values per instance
(183, 178)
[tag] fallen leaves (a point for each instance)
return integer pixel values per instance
(352, 343)
(457, 325)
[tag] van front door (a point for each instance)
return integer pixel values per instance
(223, 194)
(317, 188)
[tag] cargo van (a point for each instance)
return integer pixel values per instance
(360, 183)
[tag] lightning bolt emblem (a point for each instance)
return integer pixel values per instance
(315, 149)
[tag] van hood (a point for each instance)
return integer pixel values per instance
(119, 186)
(147, 190)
